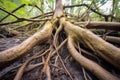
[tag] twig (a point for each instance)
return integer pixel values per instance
(34, 20)
(56, 60)
(59, 47)
(24, 25)
(86, 52)
(32, 66)
(90, 9)
(79, 49)
(23, 19)
(31, 19)
(67, 58)
(84, 73)
(55, 45)
(88, 76)
(41, 16)
(64, 66)
(90, 54)
(49, 5)
(4, 72)
(12, 12)
(9, 13)
(39, 9)
(47, 61)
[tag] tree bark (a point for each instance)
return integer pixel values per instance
(58, 9)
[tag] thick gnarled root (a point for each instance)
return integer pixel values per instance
(106, 50)
(10, 55)
(97, 70)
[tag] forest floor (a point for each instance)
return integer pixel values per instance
(57, 72)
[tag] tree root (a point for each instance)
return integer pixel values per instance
(27, 69)
(106, 50)
(46, 68)
(75, 34)
(98, 71)
(22, 68)
(10, 55)
(56, 44)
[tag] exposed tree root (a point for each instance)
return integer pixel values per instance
(75, 35)
(48, 73)
(46, 68)
(84, 73)
(27, 69)
(78, 34)
(55, 42)
(22, 68)
(98, 45)
(47, 61)
(13, 53)
(101, 73)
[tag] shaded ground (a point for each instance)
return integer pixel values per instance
(57, 72)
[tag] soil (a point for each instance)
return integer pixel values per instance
(57, 72)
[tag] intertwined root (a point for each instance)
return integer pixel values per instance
(97, 70)
(74, 35)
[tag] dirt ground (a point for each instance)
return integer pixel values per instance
(57, 72)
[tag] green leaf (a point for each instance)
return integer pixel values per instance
(27, 1)
(8, 5)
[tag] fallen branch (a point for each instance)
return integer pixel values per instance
(113, 39)
(100, 25)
